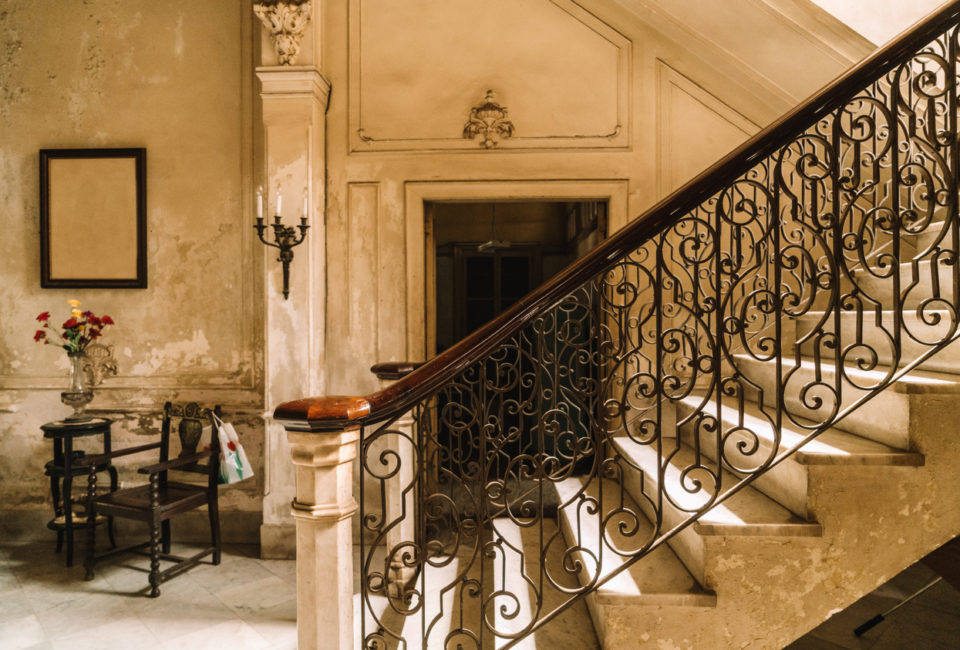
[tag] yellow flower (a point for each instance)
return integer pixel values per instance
(76, 313)
(74, 303)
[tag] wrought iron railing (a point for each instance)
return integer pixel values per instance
(782, 286)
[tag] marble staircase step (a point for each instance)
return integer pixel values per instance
(916, 284)
(445, 599)
(747, 513)
(658, 580)
(884, 419)
(878, 337)
(754, 430)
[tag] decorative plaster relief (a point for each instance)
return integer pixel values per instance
(489, 120)
(566, 74)
(286, 20)
(99, 363)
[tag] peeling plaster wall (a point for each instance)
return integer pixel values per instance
(174, 77)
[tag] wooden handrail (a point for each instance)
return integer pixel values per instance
(335, 413)
(393, 370)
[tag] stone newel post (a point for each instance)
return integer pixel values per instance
(322, 509)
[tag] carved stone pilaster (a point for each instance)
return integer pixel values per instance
(286, 20)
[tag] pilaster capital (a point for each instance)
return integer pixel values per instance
(293, 82)
(286, 21)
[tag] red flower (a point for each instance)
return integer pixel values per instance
(87, 314)
(40, 335)
(231, 446)
(70, 324)
(93, 320)
(106, 320)
(43, 317)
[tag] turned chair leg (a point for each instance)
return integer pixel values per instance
(154, 538)
(114, 481)
(89, 558)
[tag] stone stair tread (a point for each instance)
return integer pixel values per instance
(749, 512)
(832, 447)
(917, 381)
(659, 579)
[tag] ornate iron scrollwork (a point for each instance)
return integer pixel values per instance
(784, 299)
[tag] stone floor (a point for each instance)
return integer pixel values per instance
(250, 603)
(245, 603)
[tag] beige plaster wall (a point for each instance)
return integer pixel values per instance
(879, 20)
(174, 77)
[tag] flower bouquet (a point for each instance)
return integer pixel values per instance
(74, 335)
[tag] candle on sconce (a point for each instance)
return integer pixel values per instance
(303, 215)
(260, 204)
(279, 203)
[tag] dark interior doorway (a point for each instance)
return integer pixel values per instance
(488, 257)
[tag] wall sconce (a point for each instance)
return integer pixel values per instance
(285, 237)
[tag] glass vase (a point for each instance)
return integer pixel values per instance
(79, 394)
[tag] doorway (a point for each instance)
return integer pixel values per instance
(491, 254)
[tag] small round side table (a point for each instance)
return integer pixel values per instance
(61, 472)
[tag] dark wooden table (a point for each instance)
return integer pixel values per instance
(61, 472)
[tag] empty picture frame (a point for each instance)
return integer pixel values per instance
(93, 218)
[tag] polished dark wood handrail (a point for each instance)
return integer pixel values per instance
(393, 370)
(333, 413)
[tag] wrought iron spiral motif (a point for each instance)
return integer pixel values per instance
(783, 300)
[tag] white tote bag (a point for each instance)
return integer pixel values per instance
(234, 466)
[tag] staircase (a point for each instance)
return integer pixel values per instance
(732, 418)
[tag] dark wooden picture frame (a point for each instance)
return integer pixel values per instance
(93, 218)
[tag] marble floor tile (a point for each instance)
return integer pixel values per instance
(22, 632)
(256, 595)
(123, 633)
(285, 569)
(72, 617)
(250, 604)
(13, 605)
(8, 581)
(232, 635)
(277, 624)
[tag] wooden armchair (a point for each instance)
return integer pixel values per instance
(157, 501)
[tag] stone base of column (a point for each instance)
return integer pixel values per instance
(278, 541)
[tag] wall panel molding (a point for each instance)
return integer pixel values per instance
(718, 126)
(399, 102)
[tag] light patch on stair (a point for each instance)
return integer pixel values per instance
(776, 571)
(732, 562)
(916, 377)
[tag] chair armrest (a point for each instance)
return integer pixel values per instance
(175, 463)
(99, 459)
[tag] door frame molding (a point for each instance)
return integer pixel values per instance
(421, 245)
